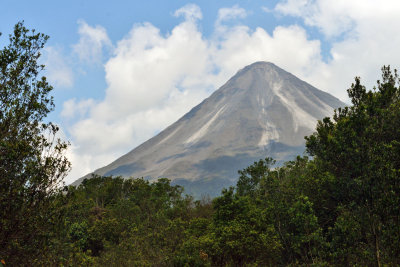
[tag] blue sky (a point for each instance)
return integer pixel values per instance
(124, 70)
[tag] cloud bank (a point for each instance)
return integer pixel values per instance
(154, 78)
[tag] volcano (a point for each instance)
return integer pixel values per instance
(262, 111)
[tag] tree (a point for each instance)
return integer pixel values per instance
(32, 161)
(250, 177)
(241, 235)
(361, 148)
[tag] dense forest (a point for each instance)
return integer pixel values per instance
(340, 205)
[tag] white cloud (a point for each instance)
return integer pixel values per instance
(189, 12)
(369, 38)
(267, 9)
(58, 73)
(91, 42)
(229, 13)
(332, 17)
(242, 46)
(224, 16)
(155, 78)
(335, 17)
(72, 108)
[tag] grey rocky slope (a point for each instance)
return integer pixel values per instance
(261, 111)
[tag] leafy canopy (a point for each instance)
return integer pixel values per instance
(32, 163)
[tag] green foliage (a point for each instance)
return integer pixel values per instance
(250, 177)
(240, 235)
(32, 164)
(289, 213)
(123, 222)
(360, 147)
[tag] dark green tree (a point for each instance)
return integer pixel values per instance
(240, 234)
(250, 178)
(32, 162)
(361, 148)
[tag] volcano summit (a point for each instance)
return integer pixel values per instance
(262, 111)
